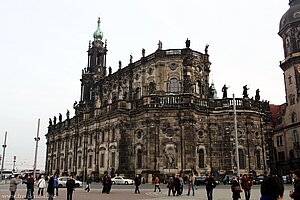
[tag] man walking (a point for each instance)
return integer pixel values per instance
(88, 183)
(50, 188)
(210, 185)
(191, 181)
(137, 182)
(70, 188)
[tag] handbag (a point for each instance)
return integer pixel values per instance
(238, 188)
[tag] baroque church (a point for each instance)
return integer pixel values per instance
(157, 115)
(286, 117)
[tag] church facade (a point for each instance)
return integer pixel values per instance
(157, 115)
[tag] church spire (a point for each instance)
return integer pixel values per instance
(98, 34)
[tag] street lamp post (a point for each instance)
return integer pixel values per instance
(14, 165)
(37, 139)
(248, 145)
(181, 138)
(3, 155)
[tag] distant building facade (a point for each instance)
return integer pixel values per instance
(157, 115)
(286, 117)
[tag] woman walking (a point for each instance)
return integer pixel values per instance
(235, 188)
(41, 185)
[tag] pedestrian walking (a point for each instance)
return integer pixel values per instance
(13, 186)
(191, 184)
(271, 189)
(156, 184)
(104, 184)
(210, 184)
(235, 188)
(137, 182)
(88, 183)
(50, 188)
(246, 183)
(295, 194)
(70, 184)
(41, 185)
(109, 183)
(56, 184)
(177, 185)
(171, 186)
(181, 184)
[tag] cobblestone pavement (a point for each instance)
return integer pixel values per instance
(222, 193)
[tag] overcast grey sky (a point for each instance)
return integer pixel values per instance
(43, 46)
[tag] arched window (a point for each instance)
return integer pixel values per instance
(113, 136)
(139, 159)
(173, 85)
(137, 93)
(201, 158)
(102, 136)
(258, 160)
(152, 87)
(102, 160)
(294, 117)
(242, 159)
(199, 87)
(114, 97)
(113, 159)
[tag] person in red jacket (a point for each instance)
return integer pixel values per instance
(246, 183)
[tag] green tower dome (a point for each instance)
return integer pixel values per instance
(98, 34)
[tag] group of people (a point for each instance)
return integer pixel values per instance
(176, 185)
(271, 188)
(52, 186)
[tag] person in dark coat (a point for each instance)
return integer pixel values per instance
(210, 184)
(171, 186)
(88, 183)
(246, 183)
(30, 187)
(50, 188)
(235, 188)
(104, 183)
(295, 194)
(70, 185)
(177, 185)
(137, 182)
(271, 189)
(109, 183)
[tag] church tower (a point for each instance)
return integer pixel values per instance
(289, 31)
(96, 67)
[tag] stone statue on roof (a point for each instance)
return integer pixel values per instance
(224, 90)
(187, 43)
(245, 91)
(206, 49)
(159, 45)
(50, 122)
(257, 96)
(143, 52)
